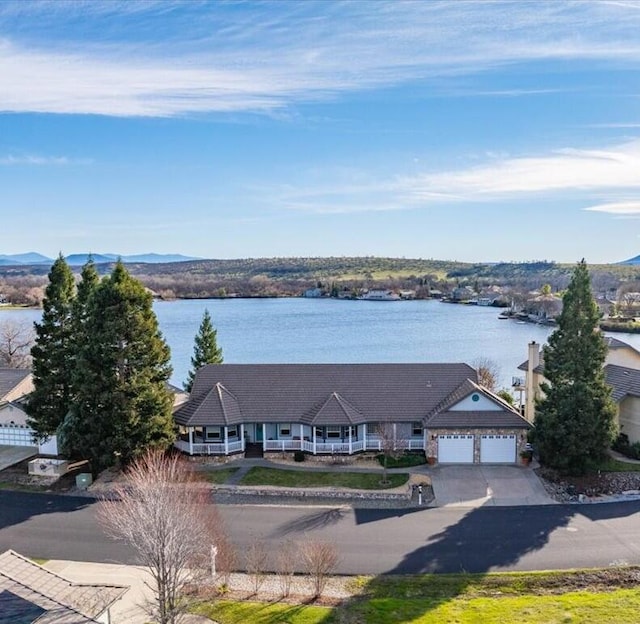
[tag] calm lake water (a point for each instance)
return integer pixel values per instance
(326, 330)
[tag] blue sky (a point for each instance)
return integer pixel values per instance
(477, 131)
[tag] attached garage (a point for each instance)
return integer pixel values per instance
(497, 449)
(456, 448)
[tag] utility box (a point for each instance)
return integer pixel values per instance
(84, 480)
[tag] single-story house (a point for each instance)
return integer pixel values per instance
(29, 593)
(622, 373)
(343, 409)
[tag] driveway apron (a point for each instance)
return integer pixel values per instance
(479, 486)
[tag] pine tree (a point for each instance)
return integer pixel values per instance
(205, 350)
(53, 353)
(89, 280)
(122, 403)
(574, 422)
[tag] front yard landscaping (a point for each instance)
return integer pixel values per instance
(220, 475)
(607, 596)
(307, 479)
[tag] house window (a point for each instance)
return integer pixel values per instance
(213, 433)
(333, 431)
(319, 432)
(416, 429)
(232, 432)
(285, 430)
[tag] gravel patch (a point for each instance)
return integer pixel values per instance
(590, 488)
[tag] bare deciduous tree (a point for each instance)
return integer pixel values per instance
(165, 514)
(320, 560)
(488, 373)
(256, 564)
(286, 560)
(16, 340)
(393, 443)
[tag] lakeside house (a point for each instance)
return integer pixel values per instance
(344, 409)
(622, 373)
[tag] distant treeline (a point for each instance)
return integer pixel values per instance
(276, 277)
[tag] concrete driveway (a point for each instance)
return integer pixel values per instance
(479, 486)
(11, 455)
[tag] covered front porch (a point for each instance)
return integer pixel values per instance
(291, 437)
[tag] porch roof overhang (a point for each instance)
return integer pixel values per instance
(335, 410)
(216, 407)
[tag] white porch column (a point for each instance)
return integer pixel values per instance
(226, 440)
(364, 435)
(395, 437)
(313, 427)
(190, 440)
(301, 437)
(242, 436)
(350, 445)
(425, 439)
(264, 437)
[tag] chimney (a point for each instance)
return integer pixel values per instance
(531, 383)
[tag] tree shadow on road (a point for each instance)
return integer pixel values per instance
(484, 540)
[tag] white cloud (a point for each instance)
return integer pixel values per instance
(166, 59)
(616, 167)
(618, 208)
(11, 159)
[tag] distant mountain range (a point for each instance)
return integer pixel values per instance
(634, 260)
(81, 258)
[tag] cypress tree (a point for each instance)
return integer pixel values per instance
(122, 403)
(205, 350)
(89, 280)
(574, 423)
(53, 353)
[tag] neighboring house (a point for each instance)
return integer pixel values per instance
(313, 293)
(340, 409)
(29, 593)
(622, 373)
(15, 386)
(544, 307)
(15, 383)
(180, 395)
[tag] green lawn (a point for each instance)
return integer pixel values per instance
(615, 465)
(301, 478)
(568, 597)
(220, 475)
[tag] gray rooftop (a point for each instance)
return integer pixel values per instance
(328, 394)
(10, 378)
(624, 381)
(29, 593)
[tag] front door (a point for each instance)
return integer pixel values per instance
(259, 434)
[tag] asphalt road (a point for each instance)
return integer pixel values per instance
(369, 541)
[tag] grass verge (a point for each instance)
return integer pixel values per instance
(607, 596)
(300, 478)
(615, 465)
(221, 475)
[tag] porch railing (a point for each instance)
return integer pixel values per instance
(210, 448)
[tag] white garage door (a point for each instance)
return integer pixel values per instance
(455, 449)
(498, 449)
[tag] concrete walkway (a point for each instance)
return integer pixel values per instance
(623, 458)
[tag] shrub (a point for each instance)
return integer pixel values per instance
(298, 456)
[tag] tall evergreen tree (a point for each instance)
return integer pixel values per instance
(53, 353)
(205, 350)
(574, 422)
(89, 280)
(122, 403)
